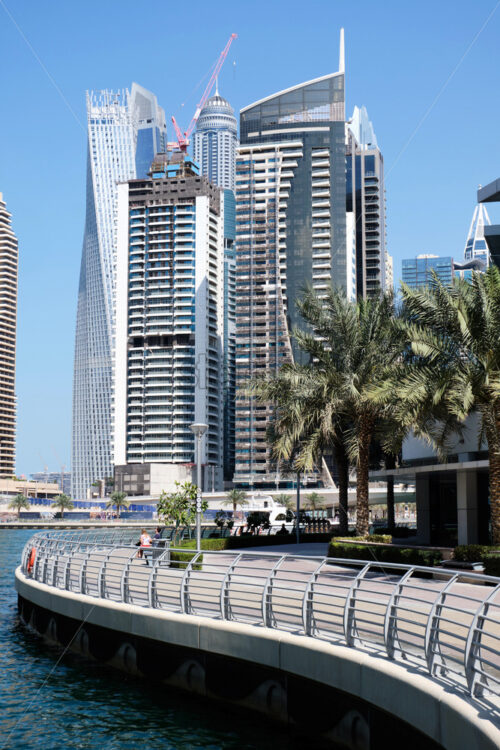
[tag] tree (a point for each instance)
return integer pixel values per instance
(258, 519)
(179, 507)
(315, 501)
(19, 502)
(285, 500)
(118, 500)
(452, 367)
(329, 402)
(235, 497)
(63, 502)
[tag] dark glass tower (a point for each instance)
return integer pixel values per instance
(291, 230)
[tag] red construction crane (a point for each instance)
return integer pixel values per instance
(183, 138)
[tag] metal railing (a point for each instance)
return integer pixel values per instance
(447, 623)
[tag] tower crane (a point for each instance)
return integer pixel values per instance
(183, 138)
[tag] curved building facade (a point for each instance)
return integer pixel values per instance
(215, 141)
(292, 228)
(124, 130)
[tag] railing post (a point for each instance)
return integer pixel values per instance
(184, 591)
(473, 645)
(102, 575)
(391, 615)
(432, 629)
(307, 602)
(349, 606)
(83, 571)
(124, 579)
(225, 608)
(267, 604)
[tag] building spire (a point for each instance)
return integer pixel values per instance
(217, 86)
(341, 53)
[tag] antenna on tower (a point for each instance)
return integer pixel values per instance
(341, 53)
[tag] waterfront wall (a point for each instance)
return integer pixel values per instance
(343, 695)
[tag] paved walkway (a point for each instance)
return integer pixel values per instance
(308, 549)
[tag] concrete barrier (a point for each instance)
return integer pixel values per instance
(351, 697)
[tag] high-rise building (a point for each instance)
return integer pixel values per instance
(169, 324)
(215, 140)
(475, 245)
(214, 147)
(8, 325)
(124, 130)
(418, 272)
(366, 199)
(292, 228)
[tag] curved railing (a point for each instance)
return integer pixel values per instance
(444, 622)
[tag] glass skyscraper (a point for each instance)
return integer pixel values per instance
(475, 245)
(292, 228)
(125, 129)
(366, 199)
(418, 272)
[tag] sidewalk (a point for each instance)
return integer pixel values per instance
(309, 549)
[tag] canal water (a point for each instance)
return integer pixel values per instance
(72, 703)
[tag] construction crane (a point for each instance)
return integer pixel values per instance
(183, 138)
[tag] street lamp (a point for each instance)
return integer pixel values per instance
(199, 429)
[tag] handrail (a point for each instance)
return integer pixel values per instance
(445, 622)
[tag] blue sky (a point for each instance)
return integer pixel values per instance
(398, 57)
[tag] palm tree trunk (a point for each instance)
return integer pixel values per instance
(494, 456)
(390, 463)
(362, 509)
(343, 473)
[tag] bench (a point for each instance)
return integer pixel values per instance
(153, 553)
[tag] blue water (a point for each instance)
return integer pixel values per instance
(78, 704)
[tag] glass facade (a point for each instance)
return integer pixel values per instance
(290, 231)
(418, 272)
(115, 120)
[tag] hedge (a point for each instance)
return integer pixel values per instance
(487, 554)
(404, 555)
(249, 540)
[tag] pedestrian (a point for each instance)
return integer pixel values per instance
(144, 542)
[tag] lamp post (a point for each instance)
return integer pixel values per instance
(199, 429)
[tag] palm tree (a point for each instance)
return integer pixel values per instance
(452, 368)
(285, 500)
(315, 501)
(350, 346)
(303, 426)
(234, 498)
(118, 500)
(63, 502)
(19, 502)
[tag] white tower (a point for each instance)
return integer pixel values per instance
(475, 246)
(215, 141)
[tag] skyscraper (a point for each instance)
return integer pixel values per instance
(214, 147)
(366, 198)
(475, 245)
(169, 323)
(8, 325)
(124, 131)
(215, 140)
(418, 272)
(292, 227)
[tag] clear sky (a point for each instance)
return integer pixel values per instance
(398, 58)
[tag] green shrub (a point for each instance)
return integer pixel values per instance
(375, 538)
(491, 564)
(404, 555)
(470, 552)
